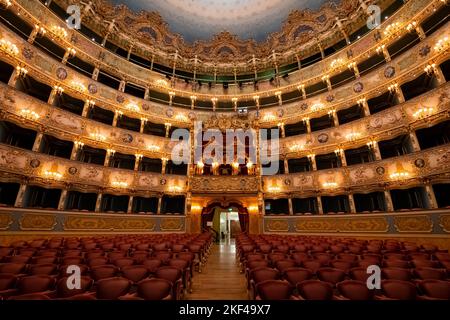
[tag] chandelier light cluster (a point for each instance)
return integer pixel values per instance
(5, 4)
(399, 175)
(423, 112)
(133, 107)
(442, 45)
(353, 136)
(120, 184)
(50, 174)
(330, 185)
(97, 136)
(78, 86)
(8, 47)
(392, 29)
(59, 32)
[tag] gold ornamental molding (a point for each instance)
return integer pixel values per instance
(37, 222)
(346, 225)
(46, 69)
(445, 222)
(111, 224)
(6, 221)
(172, 224)
(224, 184)
(413, 224)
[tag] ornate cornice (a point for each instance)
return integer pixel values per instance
(432, 164)
(97, 55)
(16, 163)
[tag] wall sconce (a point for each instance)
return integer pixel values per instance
(59, 90)
(196, 208)
(400, 173)
(352, 136)
(78, 145)
(412, 26)
(371, 144)
(380, 49)
(153, 148)
(330, 185)
(8, 47)
(361, 101)
(253, 208)
(59, 32)
(40, 31)
(351, 65)
(21, 71)
(273, 189)
(161, 82)
(317, 107)
(5, 4)
(120, 184)
(97, 136)
(423, 112)
(132, 107)
(91, 103)
(175, 189)
(181, 117)
(336, 63)
(392, 28)
(296, 147)
(71, 52)
(29, 114)
(214, 102)
(53, 175)
(78, 86)
(172, 94)
(393, 88)
(442, 45)
(268, 117)
(430, 69)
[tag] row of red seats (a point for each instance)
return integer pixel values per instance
(328, 261)
(36, 270)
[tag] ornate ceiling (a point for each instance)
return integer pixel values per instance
(234, 30)
(202, 19)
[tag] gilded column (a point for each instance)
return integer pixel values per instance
(319, 205)
(351, 202)
(130, 205)
(38, 142)
(291, 208)
(98, 203)
(414, 142)
(62, 200)
(20, 196)
(431, 196)
(388, 201)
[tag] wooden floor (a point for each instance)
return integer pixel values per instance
(220, 278)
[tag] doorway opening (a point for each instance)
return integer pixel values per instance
(225, 222)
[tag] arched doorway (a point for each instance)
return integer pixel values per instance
(225, 220)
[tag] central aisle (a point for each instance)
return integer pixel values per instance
(220, 278)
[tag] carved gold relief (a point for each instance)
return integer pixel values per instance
(37, 222)
(81, 223)
(331, 224)
(413, 224)
(5, 221)
(445, 222)
(172, 224)
(277, 225)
